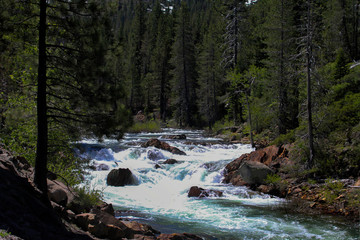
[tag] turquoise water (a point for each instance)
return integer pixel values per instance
(159, 196)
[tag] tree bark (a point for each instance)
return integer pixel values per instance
(42, 125)
(250, 123)
(309, 57)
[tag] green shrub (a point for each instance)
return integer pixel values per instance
(273, 179)
(332, 189)
(221, 125)
(4, 233)
(150, 126)
(86, 198)
(284, 138)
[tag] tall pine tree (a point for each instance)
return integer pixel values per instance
(184, 74)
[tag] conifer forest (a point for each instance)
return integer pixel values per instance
(283, 71)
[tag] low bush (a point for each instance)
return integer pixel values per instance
(150, 126)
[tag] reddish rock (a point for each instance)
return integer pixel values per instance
(264, 188)
(163, 145)
(234, 165)
(265, 155)
(178, 236)
(142, 229)
(201, 193)
(272, 156)
(234, 178)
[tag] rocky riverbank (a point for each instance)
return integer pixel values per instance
(271, 171)
(24, 215)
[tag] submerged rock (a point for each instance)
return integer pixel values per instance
(178, 236)
(201, 193)
(154, 154)
(162, 145)
(170, 161)
(175, 137)
(120, 177)
(100, 167)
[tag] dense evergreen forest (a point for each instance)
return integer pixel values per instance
(286, 71)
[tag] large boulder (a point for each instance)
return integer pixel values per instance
(163, 145)
(254, 172)
(120, 177)
(201, 193)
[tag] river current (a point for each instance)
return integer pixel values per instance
(159, 197)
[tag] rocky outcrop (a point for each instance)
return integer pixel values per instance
(270, 159)
(201, 193)
(120, 177)
(22, 211)
(163, 145)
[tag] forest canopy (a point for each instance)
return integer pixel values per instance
(287, 71)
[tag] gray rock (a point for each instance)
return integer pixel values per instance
(154, 154)
(254, 172)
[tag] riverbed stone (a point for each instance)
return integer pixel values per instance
(154, 154)
(170, 161)
(120, 177)
(163, 145)
(201, 193)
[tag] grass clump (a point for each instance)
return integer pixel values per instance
(273, 179)
(86, 198)
(149, 126)
(4, 234)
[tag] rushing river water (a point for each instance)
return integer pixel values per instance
(160, 196)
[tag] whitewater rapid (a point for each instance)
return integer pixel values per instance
(159, 195)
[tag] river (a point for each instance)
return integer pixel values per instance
(159, 197)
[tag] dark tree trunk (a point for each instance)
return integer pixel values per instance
(282, 81)
(309, 57)
(250, 123)
(42, 136)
